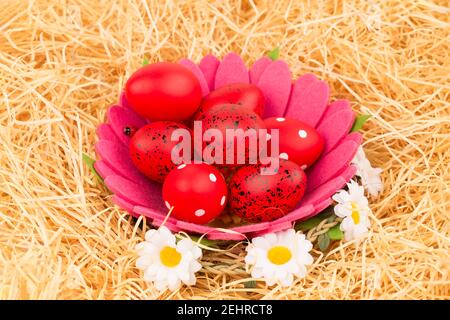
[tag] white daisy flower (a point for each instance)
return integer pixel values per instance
(353, 206)
(167, 263)
(277, 257)
(370, 177)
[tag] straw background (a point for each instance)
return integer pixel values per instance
(62, 63)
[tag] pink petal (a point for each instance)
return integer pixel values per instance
(124, 204)
(103, 169)
(192, 227)
(118, 159)
(258, 68)
(159, 222)
(142, 195)
(220, 235)
(251, 227)
(275, 83)
(231, 70)
(198, 73)
(309, 100)
(154, 214)
(105, 132)
(298, 213)
(355, 136)
(123, 101)
(319, 207)
(276, 227)
(324, 192)
(119, 118)
(336, 106)
(209, 65)
(334, 128)
(331, 164)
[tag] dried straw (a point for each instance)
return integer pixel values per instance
(62, 63)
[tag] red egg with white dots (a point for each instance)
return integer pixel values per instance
(299, 142)
(197, 192)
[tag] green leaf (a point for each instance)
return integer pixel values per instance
(274, 54)
(323, 241)
(203, 241)
(145, 62)
(314, 221)
(90, 164)
(335, 233)
(359, 122)
(250, 284)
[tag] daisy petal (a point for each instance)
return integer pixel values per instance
(209, 65)
(231, 70)
(275, 83)
(198, 74)
(258, 68)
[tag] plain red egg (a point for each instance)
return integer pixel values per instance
(151, 149)
(299, 142)
(245, 95)
(197, 192)
(164, 91)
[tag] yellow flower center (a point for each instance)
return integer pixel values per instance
(170, 257)
(279, 255)
(355, 213)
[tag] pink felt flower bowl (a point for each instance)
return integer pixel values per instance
(306, 99)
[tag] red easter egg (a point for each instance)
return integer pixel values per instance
(299, 142)
(197, 192)
(259, 198)
(151, 148)
(246, 95)
(164, 91)
(232, 116)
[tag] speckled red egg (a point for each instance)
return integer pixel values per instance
(151, 148)
(197, 192)
(245, 95)
(299, 142)
(260, 198)
(232, 116)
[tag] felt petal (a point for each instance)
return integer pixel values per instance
(334, 128)
(154, 214)
(124, 204)
(198, 74)
(331, 164)
(275, 227)
(123, 101)
(251, 227)
(308, 101)
(275, 83)
(159, 222)
(118, 159)
(231, 70)
(192, 227)
(105, 132)
(119, 118)
(220, 235)
(143, 195)
(355, 136)
(258, 68)
(297, 213)
(336, 106)
(103, 169)
(319, 207)
(325, 191)
(209, 65)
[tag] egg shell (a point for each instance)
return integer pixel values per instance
(231, 116)
(151, 148)
(299, 142)
(197, 192)
(260, 198)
